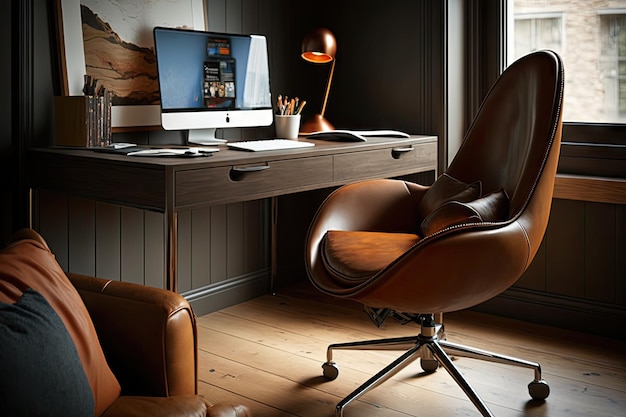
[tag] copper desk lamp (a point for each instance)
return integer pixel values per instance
(319, 47)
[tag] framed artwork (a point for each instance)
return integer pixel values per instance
(111, 42)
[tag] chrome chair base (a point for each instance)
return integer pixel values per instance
(433, 351)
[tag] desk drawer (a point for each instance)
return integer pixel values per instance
(385, 163)
(229, 184)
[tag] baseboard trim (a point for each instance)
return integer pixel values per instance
(224, 294)
(559, 311)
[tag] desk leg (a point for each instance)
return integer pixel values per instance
(171, 256)
(30, 208)
(273, 243)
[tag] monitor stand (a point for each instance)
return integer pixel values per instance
(203, 137)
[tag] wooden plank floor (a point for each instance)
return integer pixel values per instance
(267, 354)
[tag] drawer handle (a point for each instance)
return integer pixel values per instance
(396, 153)
(238, 173)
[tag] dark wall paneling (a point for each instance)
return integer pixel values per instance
(132, 245)
(235, 240)
(81, 236)
(216, 15)
(218, 244)
(256, 237)
(620, 253)
(200, 248)
(234, 16)
(566, 249)
(582, 254)
(108, 244)
(221, 243)
(154, 249)
(222, 254)
(600, 252)
(184, 252)
(7, 163)
(294, 214)
(51, 221)
(103, 240)
(578, 278)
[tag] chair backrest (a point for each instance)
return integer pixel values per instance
(514, 141)
(516, 127)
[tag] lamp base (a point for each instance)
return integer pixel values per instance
(316, 123)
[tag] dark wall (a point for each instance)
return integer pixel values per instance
(380, 65)
(6, 187)
(28, 84)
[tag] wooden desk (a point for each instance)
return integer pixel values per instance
(173, 185)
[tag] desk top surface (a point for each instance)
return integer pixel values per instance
(231, 156)
(173, 183)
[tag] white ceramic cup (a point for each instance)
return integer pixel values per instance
(287, 126)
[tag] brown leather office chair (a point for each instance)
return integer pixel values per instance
(422, 251)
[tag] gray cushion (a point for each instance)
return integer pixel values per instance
(41, 373)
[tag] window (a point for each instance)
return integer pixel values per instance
(590, 37)
(533, 32)
(613, 64)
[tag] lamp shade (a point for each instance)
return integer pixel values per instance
(319, 46)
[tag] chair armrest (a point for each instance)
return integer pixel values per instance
(148, 335)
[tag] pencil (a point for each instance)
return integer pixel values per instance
(301, 106)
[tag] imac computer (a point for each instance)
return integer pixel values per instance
(212, 80)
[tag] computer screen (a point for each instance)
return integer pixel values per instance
(210, 80)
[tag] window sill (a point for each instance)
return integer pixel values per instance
(589, 188)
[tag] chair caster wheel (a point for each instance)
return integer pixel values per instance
(539, 390)
(330, 370)
(429, 365)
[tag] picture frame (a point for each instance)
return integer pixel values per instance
(72, 55)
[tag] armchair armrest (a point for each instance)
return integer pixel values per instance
(148, 335)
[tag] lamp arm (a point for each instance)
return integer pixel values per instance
(330, 79)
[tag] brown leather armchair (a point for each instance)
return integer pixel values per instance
(137, 345)
(422, 251)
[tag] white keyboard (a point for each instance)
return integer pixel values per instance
(268, 145)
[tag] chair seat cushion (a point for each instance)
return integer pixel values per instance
(354, 256)
(41, 373)
(492, 207)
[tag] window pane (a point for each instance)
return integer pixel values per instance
(590, 37)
